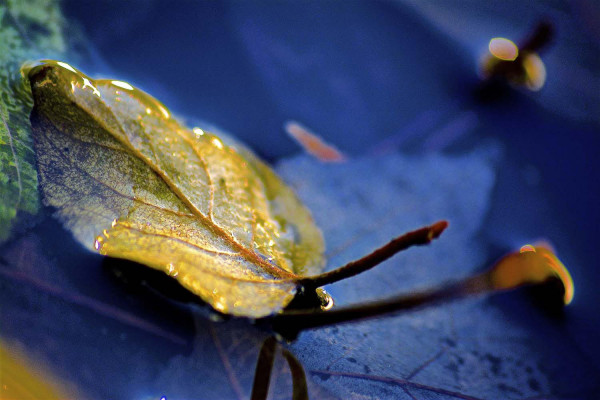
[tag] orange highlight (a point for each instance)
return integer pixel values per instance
(313, 144)
(531, 265)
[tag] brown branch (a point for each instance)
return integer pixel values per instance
(264, 368)
(523, 268)
(542, 34)
(300, 389)
(289, 323)
(418, 237)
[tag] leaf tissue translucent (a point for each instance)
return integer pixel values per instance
(131, 182)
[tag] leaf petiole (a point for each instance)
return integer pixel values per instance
(529, 266)
(417, 237)
(264, 370)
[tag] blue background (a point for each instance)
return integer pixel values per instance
(374, 78)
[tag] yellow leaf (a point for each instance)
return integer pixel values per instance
(131, 182)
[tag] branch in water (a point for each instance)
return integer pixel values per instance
(530, 266)
(419, 237)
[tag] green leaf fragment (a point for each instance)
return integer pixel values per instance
(28, 29)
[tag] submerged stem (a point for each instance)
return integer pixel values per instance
(418, 237)
(264, 368)
(530, 266)
(295, 321)
(299, 387)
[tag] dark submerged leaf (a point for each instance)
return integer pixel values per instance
(501, 347)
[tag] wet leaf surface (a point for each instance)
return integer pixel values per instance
(130, 182)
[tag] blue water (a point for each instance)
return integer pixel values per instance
(372, 78)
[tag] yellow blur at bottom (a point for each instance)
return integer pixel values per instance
(19, 380)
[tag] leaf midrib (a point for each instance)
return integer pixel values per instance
(246, 253)
(135, 199)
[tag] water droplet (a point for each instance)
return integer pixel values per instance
(326, 299)
(163, 111)
(217, 143)
(122, 84)
(66, 66)
(219, 305)
(199, 132)
(527, 248)
(98, 242)
(87, 83)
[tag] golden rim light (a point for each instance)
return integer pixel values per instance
(556, 266)
(503, 49)
(529, 69)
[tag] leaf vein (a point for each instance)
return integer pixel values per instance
(132, 198)
(249, 254)
(14, 154)
(396, 381)
(103, 184)
(210, 271)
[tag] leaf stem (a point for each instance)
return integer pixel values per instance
(529, 266)
(418, 237)
(299, 387)
(296, 321)
(539, 38)
(264, 368)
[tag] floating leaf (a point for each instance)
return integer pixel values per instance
(25, 28)
(130, 182)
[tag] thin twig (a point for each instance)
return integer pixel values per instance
(235, 384)
(264, 369)
(300, 389)
(292, 322)
(397, 381)
(418, 237)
